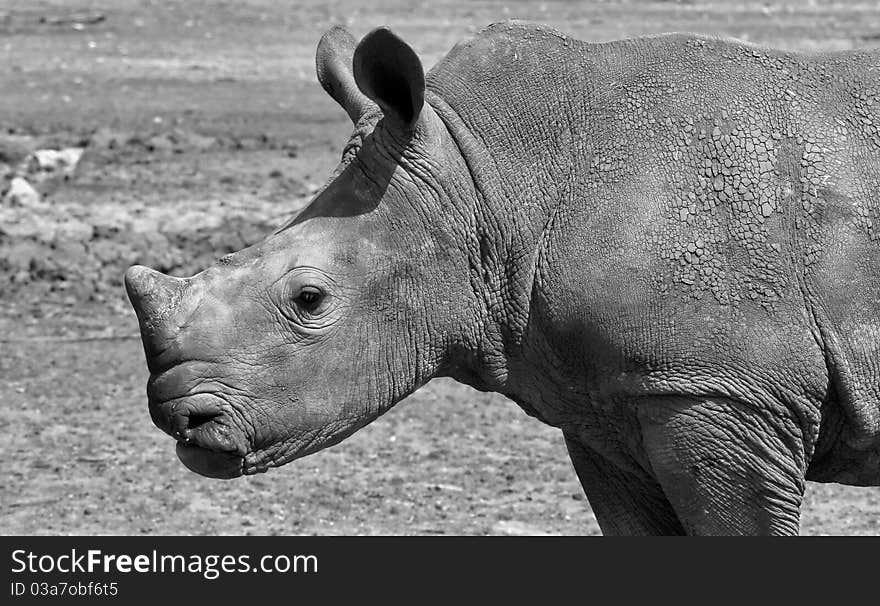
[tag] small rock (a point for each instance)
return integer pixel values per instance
(21, 193)
(53, 162)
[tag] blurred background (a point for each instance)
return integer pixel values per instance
(169, 133)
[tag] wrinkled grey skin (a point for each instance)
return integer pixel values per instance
(666, 247)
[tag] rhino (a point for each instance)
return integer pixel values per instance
(666, 247)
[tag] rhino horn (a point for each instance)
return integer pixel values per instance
(156, 299)
(333, 61)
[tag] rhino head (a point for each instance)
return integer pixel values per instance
(293, 344)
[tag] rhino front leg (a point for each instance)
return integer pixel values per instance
(626, 502)
(725, 467)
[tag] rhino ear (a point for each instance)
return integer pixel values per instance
(389, 72)
(333, 64)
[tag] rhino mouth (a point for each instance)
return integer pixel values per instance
(209, 442)
(214, 437)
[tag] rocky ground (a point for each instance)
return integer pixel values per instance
(197, 128)
(133, 198)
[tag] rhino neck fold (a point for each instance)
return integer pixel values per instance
(503, 254)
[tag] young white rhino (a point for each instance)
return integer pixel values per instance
(666, 247)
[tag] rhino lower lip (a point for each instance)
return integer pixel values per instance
(222, 465)
(207, 445)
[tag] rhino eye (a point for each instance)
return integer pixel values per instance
(309, 298)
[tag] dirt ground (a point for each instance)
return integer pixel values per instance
(204, 127)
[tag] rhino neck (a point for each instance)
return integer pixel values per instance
(521, 104)
(501, 240)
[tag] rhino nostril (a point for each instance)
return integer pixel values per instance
(196, 420)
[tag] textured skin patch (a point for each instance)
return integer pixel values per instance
(678, 215)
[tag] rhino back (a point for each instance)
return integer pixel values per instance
(700, 215)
